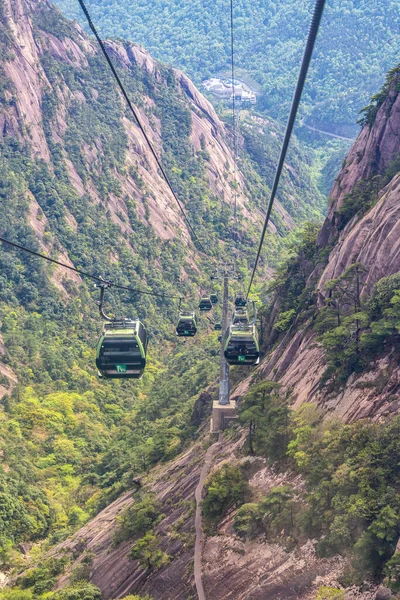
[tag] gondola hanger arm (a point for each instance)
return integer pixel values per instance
(100, 303)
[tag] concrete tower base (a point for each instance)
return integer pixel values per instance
(221, 416)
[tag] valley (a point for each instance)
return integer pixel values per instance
(98, 478)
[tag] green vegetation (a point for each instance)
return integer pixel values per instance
(138, 518)
(79, 591)
(294, 296)
(269, 44)
(70, 443)
(392, 81)
(330, 593)
(365, 194)
(273, 516)
(262, 145)
(225, 489)
(148, 553)
(268, 419)
(353, 331)
(350, 502)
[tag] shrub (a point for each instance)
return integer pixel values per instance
(16, 594)
(248, 520)
(225, 489)
(392, 571)
(138, 518)
(329, 593)
(148, 553)
(80, 591)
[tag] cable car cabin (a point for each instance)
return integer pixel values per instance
(121, 350)
(187, 325)
(217, 326)
(214, 298)
(242, 346)
(240, 301)
(205, 304)
(240, 317)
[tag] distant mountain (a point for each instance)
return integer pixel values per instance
(358, 43)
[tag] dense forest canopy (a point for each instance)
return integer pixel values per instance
(357, 44)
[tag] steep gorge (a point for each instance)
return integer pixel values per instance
(258, 567)
(79, 184)
(368, 235)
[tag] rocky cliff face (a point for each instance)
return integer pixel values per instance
(372, 239)
(231, 567)
(30, 83)
(42, 56)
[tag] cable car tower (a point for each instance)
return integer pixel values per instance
(223, 409)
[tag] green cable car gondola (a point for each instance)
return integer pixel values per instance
(240, 317)
(217, 326)
(187, 324)
(214, 298)
(121, 350)
(205, 304)
(242, 346)
(240, 300)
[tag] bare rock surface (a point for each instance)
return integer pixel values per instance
(117, 575)
(374, 241)
(297, 362)
(372, 152)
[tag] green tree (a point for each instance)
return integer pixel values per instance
(141, 516)
(267, 416)
(225, 489)
(80, 591)
(148, 553)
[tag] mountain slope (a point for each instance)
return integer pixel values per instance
(315, 514)
(79, 184)
(361, 228)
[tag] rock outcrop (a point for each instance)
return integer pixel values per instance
(373, 240)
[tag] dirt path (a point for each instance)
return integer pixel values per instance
(199, 533)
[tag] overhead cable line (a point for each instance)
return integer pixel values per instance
(136, 117)
(83, 273)
(234, 115)
(312, 36)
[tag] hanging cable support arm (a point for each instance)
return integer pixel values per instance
(100, 303)
(312, 36)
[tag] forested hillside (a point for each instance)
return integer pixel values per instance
(358, 43)
(98, 478)
(79, 184)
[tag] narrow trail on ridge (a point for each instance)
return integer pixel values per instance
(328, 133)
(198, 548)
